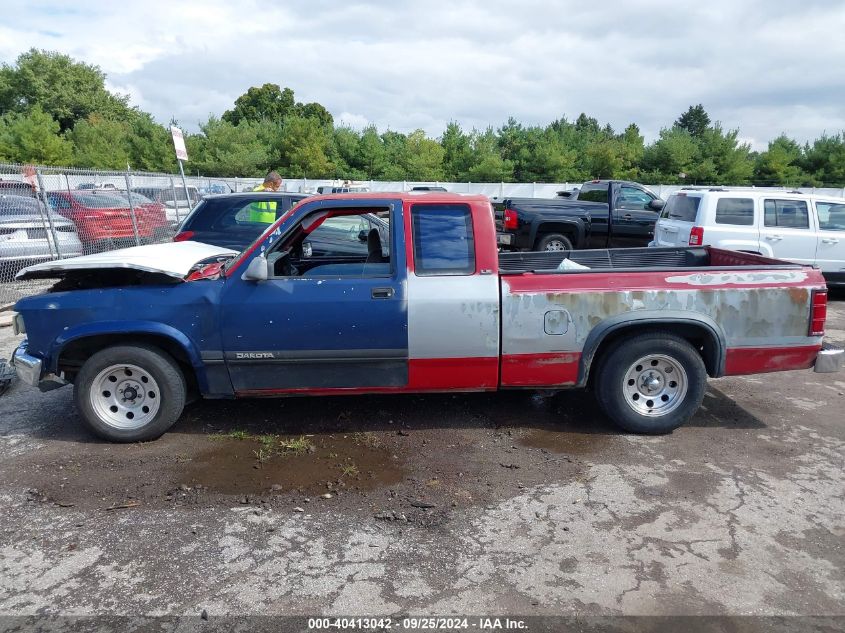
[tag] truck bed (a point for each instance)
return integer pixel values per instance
(622, 259)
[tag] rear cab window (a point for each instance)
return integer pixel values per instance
(443, 239)
(735, 211)
(593, 192)
(682, 207)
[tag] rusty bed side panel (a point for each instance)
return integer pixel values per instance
(754, 309)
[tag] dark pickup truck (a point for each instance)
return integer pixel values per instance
(602, 214)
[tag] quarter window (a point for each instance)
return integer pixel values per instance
(443, 239)
(831, 216)
(737, 211)
(788, 214)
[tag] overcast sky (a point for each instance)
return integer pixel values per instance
(763, 66)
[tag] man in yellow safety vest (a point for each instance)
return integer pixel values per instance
(265, 212)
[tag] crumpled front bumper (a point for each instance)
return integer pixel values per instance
(829, 359)
(30, 369)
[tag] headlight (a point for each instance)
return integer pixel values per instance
(17, 324)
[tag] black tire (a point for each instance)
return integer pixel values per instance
(620, 383)
(554, 242)
(163, 371)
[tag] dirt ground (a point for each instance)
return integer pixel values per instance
(514, 503)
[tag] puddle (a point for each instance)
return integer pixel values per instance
(248, 466)
(565, 442)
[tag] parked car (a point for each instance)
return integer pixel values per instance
(327, 189)
(103, 219)
(798, 227)
(96, 186)
(176, 203)
(17, 188)
(28, 234)
(225, 221)
(611, 213)
(135, 330)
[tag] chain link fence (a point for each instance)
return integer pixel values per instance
(51, 213)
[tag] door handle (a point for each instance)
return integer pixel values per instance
(381, 293)
(774, 238)
(830, 240)
(627, 216)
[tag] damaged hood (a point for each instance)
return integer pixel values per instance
(174, 259)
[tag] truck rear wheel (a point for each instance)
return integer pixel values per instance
(554, 242)
(651, 383)
(130, 393)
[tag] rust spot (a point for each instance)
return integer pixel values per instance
(799, 295)
(563, 359)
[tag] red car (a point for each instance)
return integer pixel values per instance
(103, 219)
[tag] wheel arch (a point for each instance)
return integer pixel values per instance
(699, 330)
(572, 228)
(75, 346)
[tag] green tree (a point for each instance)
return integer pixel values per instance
(422, 158)
(372, 152)
(695, 120)
(317, 112)
(304, 148)
(457, 152)
(779, 164)
(268, 101)
(486, 163)
(33, 138)
(825, 160)
(99, 142)
(673, 154)
(149, 145)
(232, 149)
(65, 89)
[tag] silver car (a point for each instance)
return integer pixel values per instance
(26, 236)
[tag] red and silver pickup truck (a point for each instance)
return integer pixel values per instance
(432, 306)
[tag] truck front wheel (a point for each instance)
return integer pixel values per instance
(554, 242)
(651, 383)
(130, 393)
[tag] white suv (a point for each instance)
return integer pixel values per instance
(793, 226)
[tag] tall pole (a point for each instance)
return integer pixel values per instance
(185, 184)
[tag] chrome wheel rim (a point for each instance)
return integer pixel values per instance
(125, 396)
(556, 245)
(655, 385)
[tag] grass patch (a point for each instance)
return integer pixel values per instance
(296, 446)
(349, 470)
(232, 435)
(368, 439)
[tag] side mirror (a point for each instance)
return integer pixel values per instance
(362, 235)
(257, 270)
(657, 204)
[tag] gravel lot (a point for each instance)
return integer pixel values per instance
(515, 503)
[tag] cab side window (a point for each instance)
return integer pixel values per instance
(443, 239)
(633, 198)
(787, 214)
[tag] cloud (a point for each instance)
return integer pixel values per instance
(765, 67)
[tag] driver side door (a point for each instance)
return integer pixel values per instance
(319, 326)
